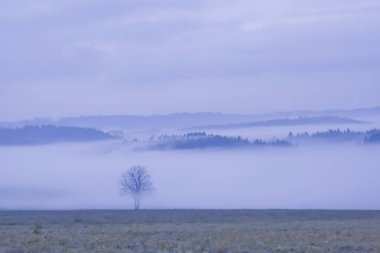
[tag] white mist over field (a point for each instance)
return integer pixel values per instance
(76, 176)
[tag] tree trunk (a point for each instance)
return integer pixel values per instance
(137, 202)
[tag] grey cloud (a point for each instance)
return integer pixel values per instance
(131, 46)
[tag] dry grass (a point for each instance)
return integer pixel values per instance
(190, 231)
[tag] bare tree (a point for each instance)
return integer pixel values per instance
(135, 182)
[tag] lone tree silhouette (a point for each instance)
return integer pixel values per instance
(135, 182)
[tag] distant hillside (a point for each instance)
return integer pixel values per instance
(354, 113)
(138, 122)
(32, 135)
(178, 120)
(286, 122)
(201, 140)
(192, 120)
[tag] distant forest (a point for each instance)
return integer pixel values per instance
(201, 140)
(32, 135)
(371, 136)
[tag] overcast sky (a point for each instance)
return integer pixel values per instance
(75, 57)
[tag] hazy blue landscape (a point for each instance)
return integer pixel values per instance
(273, 166)
(208, 126)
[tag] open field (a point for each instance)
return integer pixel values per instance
(190, 231)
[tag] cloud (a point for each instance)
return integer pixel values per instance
(129, 47)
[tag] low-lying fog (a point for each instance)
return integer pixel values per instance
(75, 176)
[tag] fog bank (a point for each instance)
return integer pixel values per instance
(81, 176)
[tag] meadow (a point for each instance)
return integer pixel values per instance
(189, 231)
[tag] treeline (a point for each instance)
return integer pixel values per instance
(371, 136)
(201, 140)
(44, 134)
